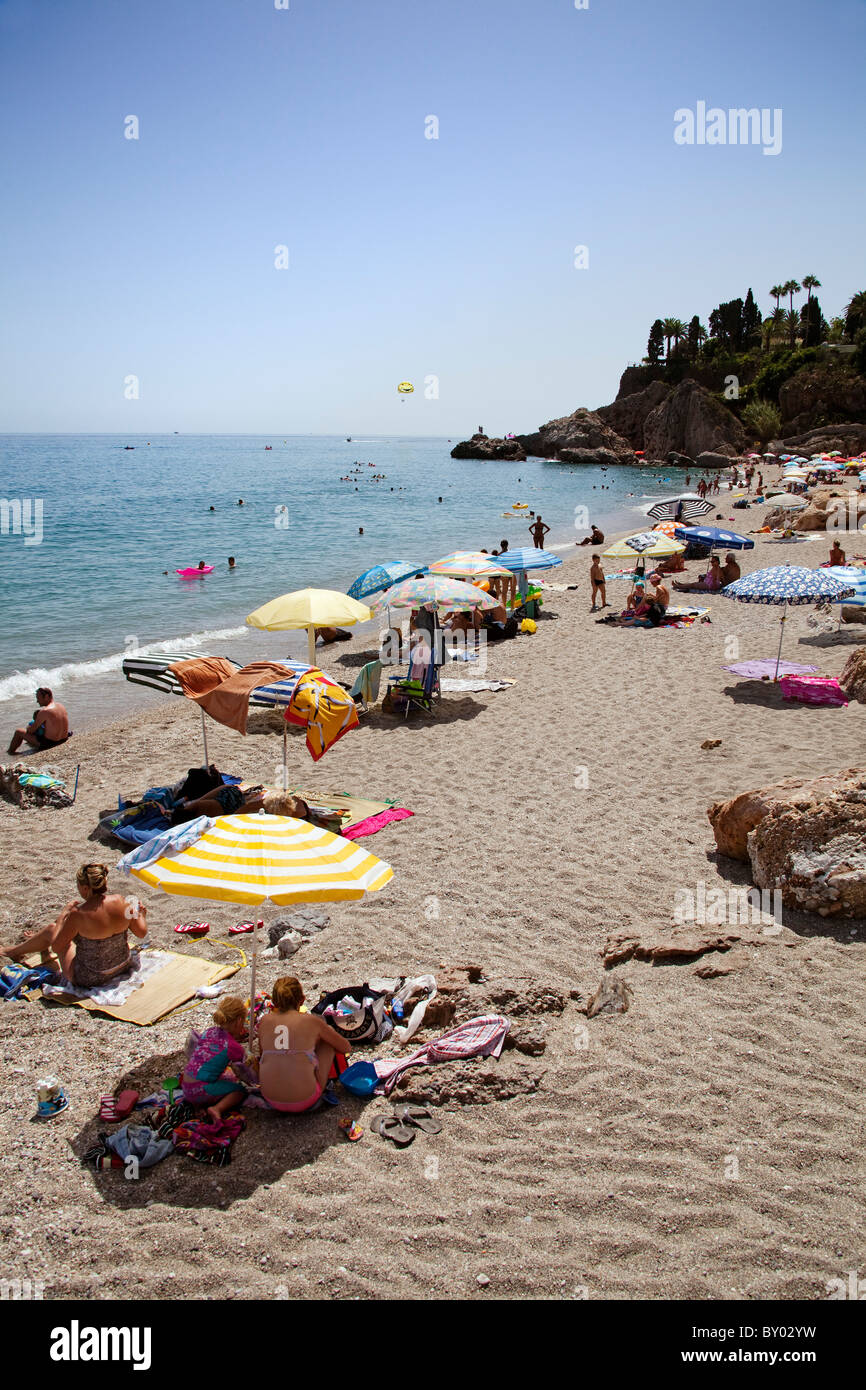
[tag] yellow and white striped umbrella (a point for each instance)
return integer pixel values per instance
(254, 859)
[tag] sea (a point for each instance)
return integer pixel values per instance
(89, 561)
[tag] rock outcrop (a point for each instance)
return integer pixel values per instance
(853, 677)
(708, 459)
(815, 395)
(849, 438)
(691, 421)
(805, 837)
(482, 447)
(582, 437)
(627, 414)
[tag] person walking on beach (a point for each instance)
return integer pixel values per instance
(49, 726)
(538, 531)
(596, 576)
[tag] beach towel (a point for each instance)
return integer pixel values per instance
(475, 685)
(367, 683)
(813, 690)
(165, 842)
(327, 710)
(766, 666)
(224, 692)
(373, 824)
(478, 1037)
(152, 990)
(117, 991)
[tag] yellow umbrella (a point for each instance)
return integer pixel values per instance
(645, 543)
(309, 608)
(258, 858)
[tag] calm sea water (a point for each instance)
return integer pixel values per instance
(115, 520)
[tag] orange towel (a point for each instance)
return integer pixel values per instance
(223, 691)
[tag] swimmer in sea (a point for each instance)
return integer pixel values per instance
(231, 562)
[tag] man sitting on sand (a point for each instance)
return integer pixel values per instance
(837, 554)
(49, 726)
(595, 538)
(730, 570)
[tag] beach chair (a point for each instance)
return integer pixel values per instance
(417, 690)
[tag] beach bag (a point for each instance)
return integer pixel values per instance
(198, 782)
(360, 1078)
(357, 1013)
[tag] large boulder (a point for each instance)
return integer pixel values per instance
(691, 421)
(708, 460)
(853, 677)
(806, 837)
(481, 447)
(583, 435)
(627, 414)
(849, 438)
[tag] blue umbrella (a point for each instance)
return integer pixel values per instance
(713, 537)
(380, 577)
(528, 558)
(787, 584)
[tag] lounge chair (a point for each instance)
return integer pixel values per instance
(416, 691)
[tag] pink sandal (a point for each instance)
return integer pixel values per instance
(241, 928)
(193, 928)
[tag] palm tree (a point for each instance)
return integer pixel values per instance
(810, 283)
(776, 293)
(776, 321)
(792, 323)
(669, 328)
(855, 314)
(790, 288)
(679, 331)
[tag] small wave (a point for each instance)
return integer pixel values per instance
(25, 682)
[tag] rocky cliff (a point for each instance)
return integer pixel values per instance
(691, 421)
(481, 447)
(582, 437)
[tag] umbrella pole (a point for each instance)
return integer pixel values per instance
(253, 982)
(204, 736)
(779, 652)
(285, 785)
(311, 644)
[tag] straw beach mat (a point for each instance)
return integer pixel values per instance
(174, 984)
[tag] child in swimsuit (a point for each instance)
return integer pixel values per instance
(297, 1051)
(218, 1048)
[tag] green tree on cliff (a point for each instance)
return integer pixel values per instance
(655, 343)
(810, 283)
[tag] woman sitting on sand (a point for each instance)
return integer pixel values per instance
(215, 1050)
(710, 582)
(89, 938)
(297, 1050)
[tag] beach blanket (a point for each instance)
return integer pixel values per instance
(478, 1037)
(154, 990)
(766, 667)
(225, 692)
(117, 991)
(475, 685)
(813, 690)
(374, 823)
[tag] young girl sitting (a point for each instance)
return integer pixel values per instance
(216, 1049)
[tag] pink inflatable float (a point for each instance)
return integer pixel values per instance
(195, 573)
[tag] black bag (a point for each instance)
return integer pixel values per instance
(362, 1027)
(199, 781)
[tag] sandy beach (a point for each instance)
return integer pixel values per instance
(705, 1144)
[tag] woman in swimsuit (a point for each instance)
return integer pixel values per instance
(297, 1050)
(89, 938)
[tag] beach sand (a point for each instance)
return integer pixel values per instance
(705, 1144)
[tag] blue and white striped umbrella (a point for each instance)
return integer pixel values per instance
(381, 577)
(528, 558)
(714, 537)
(856, 578)
(787, 584)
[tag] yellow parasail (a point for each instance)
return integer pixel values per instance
(405, 388)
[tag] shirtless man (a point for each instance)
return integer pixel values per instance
(48, 727)
(730, 570)
(538, 531)
(837, 554)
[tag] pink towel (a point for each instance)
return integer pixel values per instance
(477, 1037)
(813, 690)
(374, 823)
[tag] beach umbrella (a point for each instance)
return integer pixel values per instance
(788, 502)
(435, 591)
(380, 577)
(681, 508)
(257, 859)
(469, 564)
(309, 608)
(853, 576)
(669, 527)
(786, 585)
(646, 543)
(526, 558)
(715, 538)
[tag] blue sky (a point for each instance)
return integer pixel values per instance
(409, 257)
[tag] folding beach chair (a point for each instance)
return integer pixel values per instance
(365, 691)
(416, 691)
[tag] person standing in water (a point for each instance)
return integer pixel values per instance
(538, 531)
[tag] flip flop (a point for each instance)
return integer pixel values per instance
(118, 1107)
(419, 1116)
(193, 928)
(242, 928)
(390, 1128)
(351, 1130)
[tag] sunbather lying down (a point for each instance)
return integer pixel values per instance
(242, 801)
(88, 941)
